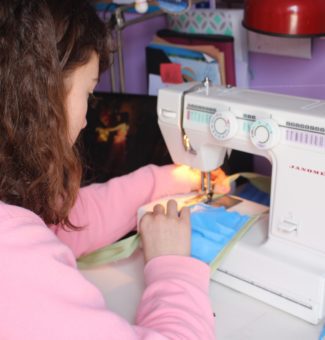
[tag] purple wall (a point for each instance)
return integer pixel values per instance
(293, 76)
(287, 75)
(135, 39)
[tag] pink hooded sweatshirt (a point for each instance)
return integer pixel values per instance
(45, 297)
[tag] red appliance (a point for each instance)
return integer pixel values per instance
(298, 18)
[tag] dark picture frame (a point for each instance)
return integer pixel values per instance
(122, 135)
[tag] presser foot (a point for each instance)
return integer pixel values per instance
(215, 200)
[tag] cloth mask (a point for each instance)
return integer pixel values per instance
(212, 229)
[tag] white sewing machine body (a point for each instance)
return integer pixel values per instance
(281, 260)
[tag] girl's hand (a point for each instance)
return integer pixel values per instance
(166, 232)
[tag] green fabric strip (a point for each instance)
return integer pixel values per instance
(117, 251)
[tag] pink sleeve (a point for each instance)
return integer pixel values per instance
(44, 296)
(108, 211)
(177, 294)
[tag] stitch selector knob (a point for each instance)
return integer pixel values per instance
(223, 125)
(265, 134)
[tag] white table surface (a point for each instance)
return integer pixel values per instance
(238, 317)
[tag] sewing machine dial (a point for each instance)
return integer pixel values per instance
(265, 134)
(223, 125)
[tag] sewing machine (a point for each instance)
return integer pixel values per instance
(281, 259)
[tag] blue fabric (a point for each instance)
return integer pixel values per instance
(322, 335)
(212, 229)
(250, 192)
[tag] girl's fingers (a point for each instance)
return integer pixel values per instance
(158, 209)
(185, 214)
(172, 208)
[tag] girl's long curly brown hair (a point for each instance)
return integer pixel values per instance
(41, 41)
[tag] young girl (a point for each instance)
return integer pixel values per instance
(51, 54)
